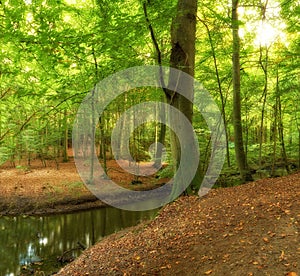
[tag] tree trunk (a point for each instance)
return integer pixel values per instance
(263, 109)
(183, 36)
(237, 121)
(92, 134)
(103, 143)
(66, 137)
(273, 136)
(161, 137)
(220, 88)
(281, 135)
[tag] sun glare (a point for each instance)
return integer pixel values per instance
(78, 3)
(265, 32)
(29, 17)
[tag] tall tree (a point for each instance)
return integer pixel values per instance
(183, 37)
(237, 119)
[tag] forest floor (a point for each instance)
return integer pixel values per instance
(252, 229)
(46, 190)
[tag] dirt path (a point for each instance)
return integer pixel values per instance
(252, 229)
(41, 190)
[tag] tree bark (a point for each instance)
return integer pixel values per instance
(183, 35)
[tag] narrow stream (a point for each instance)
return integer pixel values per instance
(31, 244)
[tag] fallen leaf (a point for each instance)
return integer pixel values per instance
(265, 239)
(271, 234)
(281, 257)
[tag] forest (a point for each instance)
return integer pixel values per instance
(238, 60)
(55, 52)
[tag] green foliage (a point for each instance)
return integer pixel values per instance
(167, 172)
(54, 52)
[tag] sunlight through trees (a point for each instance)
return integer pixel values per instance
(53, 53)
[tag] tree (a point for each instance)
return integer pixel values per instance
(237, 120)
(183, 37)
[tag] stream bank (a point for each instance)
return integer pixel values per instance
(41, 245)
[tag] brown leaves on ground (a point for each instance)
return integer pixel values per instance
(41, 190)
(252, 229)
(44, 190)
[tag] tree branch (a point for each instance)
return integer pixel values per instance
(158, 52)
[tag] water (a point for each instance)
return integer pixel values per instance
(43, 243)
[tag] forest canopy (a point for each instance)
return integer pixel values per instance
(54, 52)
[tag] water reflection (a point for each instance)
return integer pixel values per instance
(49, 241)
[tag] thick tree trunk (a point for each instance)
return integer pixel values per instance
(182, 58)
(183, 35)
(237, 121)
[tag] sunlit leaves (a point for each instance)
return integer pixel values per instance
(53, 52)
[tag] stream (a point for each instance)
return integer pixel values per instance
(30, 244)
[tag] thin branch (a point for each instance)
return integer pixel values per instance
(152, 34)
(95, 63)
(4, 134)
(4, 93)
(158, 52)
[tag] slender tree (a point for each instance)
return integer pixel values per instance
(237, 120)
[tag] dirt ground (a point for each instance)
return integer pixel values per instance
(46, 190)
(252, 229)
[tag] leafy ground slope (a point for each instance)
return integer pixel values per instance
(251, 229)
